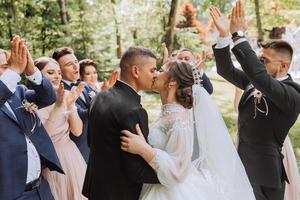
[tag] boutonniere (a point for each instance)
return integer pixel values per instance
(258, 96)
(92, 94)
(29, 106)
(32, 108)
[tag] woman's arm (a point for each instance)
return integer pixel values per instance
(172, 163)
(74, 120)
(58, 109)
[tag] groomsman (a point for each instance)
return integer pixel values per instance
(69, 66)
(187, 56)
(25, 147)
(269, 106)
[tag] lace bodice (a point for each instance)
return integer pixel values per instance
(172, 137)
(165, 124)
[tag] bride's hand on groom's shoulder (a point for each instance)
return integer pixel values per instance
(133, 143)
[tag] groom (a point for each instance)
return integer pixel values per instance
(269, 106)
(113, 174)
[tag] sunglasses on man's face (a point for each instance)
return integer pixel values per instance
(266, 61)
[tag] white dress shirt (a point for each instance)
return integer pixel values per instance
(10, 78)
(223, 42)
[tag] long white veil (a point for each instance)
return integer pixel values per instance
(217, 154)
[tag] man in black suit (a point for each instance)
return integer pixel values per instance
(69, 66)
(113, 174)
(269, 106)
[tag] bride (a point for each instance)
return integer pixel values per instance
(217, 173)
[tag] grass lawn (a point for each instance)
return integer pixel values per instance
(223, 96)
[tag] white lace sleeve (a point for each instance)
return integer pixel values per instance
(173, 163)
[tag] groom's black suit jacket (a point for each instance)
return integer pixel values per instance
(260, 138)
(113, 174)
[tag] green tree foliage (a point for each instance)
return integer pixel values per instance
(103, 29)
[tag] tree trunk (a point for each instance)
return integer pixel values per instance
(171, 25)
(82, 27)
(118, 33)
(14, 27)
(258, 21)
(63, 11)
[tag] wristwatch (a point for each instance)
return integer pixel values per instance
(237, 35)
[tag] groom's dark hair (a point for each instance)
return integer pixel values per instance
(132, 55)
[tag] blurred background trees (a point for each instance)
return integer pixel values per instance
(101, 29)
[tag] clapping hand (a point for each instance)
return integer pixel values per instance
(18, 59)
(30, 68)
(73, 95)
(237, 18)
(60, 95)
(220, 21)
(111, 81)
(133, 143)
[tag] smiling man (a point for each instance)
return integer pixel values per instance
(269, 106)
(69, 66)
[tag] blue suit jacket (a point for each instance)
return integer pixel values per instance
(82, 109)
(13, 147)
(207, 84)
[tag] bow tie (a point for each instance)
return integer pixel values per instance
(75, 84)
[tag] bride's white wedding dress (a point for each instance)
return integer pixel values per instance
(171, 135)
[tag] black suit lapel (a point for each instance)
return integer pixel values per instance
(245, 97)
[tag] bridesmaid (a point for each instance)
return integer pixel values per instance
(89, 73)
(59, 119)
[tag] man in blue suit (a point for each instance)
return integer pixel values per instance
(69, 66)
(187, 55)
(25, 147)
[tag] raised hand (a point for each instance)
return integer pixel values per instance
(113, 78)
(30, 68)
(201, 60)
(111, 81)
(221, 22)
(237, 18)
(18, 59)
(73, 95)
(165, 53)
(60, 95)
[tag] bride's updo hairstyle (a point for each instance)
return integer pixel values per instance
(182, 73)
